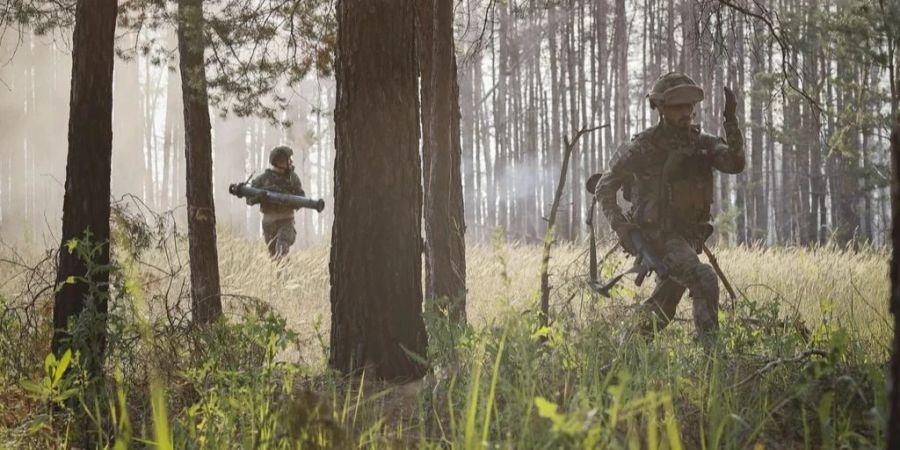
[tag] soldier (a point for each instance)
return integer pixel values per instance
(278, 220)
(666, 173)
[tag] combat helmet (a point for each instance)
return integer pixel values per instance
(674, 88)
(280, 152)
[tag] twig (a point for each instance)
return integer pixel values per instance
(800, 357)
(786, 65)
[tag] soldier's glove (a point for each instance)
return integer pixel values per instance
(257, 199)
(624, 234)
(730, 111)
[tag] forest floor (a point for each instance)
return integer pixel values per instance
(800, 362)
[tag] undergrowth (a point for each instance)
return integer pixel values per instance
(800, 361)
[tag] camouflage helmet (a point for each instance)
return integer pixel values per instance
(280, 152)
(674, 88)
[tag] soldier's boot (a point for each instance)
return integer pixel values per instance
(658, 310)
(705, 295)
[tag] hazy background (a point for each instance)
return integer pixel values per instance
(530, 74)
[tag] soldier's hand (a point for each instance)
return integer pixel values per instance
(730, 112)
(624, 234)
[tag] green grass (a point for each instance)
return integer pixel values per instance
(800, 362)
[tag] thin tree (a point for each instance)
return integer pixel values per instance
(83, 276)
(445, 246)
(206, 303)
(376, 243)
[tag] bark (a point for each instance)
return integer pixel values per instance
(467, 131)
(736, 82)
(500, 121)
(813, 126)
(376, 247)
(88, 166)
(841, 165)
(621, 70)
(893, 426)
(445, 276)
(206, 303)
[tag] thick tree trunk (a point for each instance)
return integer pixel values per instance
(893, 426)
(376, 247)
(206, 303)
(445, 276)
(88, 166)
(759, 205)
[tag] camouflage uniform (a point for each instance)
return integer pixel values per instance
(278, 220)
(667, 175)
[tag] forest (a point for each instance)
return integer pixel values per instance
(444, 279)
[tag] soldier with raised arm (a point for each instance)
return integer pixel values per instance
(666, 173)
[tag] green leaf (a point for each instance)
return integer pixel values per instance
(548, 410)
(62, 366)
(541, 332)
(32, 387)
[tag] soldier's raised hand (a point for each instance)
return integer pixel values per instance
(730, 112)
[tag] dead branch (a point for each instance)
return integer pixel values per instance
(551, 227)
(800, 357)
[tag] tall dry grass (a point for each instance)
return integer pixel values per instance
(851, 285)
(813, 385)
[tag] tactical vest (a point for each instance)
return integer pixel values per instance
(674, 189)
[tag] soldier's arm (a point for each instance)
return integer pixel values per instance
(259, 182)
(296, 185)
(728, 154)
(620, 169)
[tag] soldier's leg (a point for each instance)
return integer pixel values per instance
(658, 310)
(687, 270)
(270, 233)
(286, 236)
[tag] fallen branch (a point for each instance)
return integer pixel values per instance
(800, 357)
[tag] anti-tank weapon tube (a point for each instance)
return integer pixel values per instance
(242, 190)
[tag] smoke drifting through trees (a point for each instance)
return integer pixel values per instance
(530, 72)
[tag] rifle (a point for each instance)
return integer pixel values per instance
(645, 262)
(242, 190)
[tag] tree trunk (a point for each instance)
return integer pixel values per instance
(467, 129)
(893, 426)
(376, 244)
(621, 70)
(843, 185)
(445, 276)
(173, 135)
(206, 303)
(88, 166)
